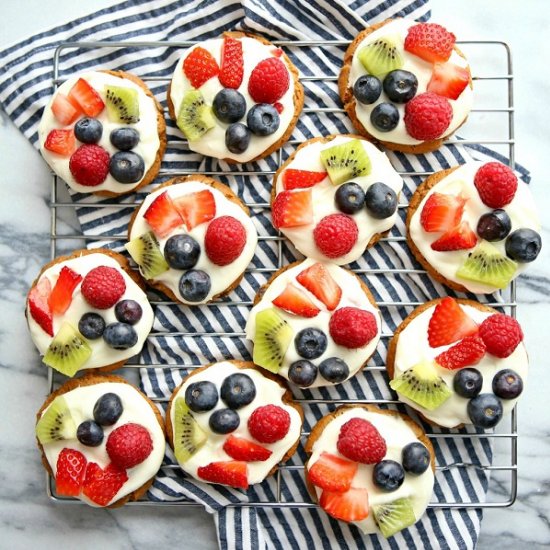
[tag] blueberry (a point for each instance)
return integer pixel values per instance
(237, 138)
(182, 252)
(523, 245)
(229, 105)
(91, 326)
(416, 458)
(388, 475)
(194, 285)
(124, 138)
(224, 421)
(384, 117)
(128, 311)
(263, 119)
(380, 200)
(507, 384)
(126, 167)
(349, 198)
(88, 130)
(468, 382)
(238, 390)
(334, 370)
(120, 336)
(485, 410)
(310, 343)
(107, 409)
(302, 373)
(494, 226)
(89, 433)
(201, 396)
(400, 86)
(367, 89)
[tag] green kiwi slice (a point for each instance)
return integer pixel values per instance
(122, 104)
(381, 56)
(146, 253)
(195, 117)
(68, 351)
(57, 423)
(422, 385)
(346, 161)
(272, 338)
(189, 437)
(394, 516)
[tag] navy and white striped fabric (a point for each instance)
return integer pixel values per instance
(25, 87)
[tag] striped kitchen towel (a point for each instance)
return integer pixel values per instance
(183, 337)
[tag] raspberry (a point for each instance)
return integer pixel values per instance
(427, 116)
(501, 334)
(335, 235)
(89, 165)
(269, 81)
(269, 423)
(496, 184)
(129, 445)
(359, 440)
(199, 67)
(224, 240)
(469, 351)
(352, 327)
(103, 287)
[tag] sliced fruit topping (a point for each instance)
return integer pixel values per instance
(122, 104)
(129, 445)
(310, 343)
(507, 384)
(86, 98)
(188, 435)
(271, 340)
(108, 409)
(496, 184)
(57, 423)
(394, 516)
(62, 294)
(269, 80)
(269, 423)
(381, 56)
(64, 111)
(68, 351)
(501, 334)
(485, 410)
(352, 327)
(430, 41)
(195, 117)
(416, 458)
(237, 390)
(162, 215)
(318, 280)
(38, 305)
(69, 472)
(103, 287)
(332, 473)
(359, 440)
(101, 486)
(89, 165)
(224, 240)
(469, 351)
(449, 323)
(448, 80)
(292, 209)
(232, 473)
(61, 142)
(388, 475)
(467, 382)
(232, 63)
(299, 179)
(460, 237)
(427, 116)
(199, 67)
(293, 300)
(353, 505)
(240, 448)
(146, 253)
(346, 161)
(335, 235)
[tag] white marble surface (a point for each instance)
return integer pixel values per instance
(28, 519)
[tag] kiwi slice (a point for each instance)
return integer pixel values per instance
(57, 423)
(146, 253)
(189, 437)
(195, 117)
(485, 264)
(381, 56)
(422, 385)
(272, 338)
(346, 161)
(394, 516)
(122, 104)
(68, 351)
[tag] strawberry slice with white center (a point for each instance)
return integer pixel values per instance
(296, 179)
(441, 212)
(240, 448)
(449, 323)
(83, 95)
(62, 294)
(292, 209)
(162, 215)
(332, 473)
(317, 279)
(460, 237)
(352, 505)
(38, 305)
(196, 208)
(448, 80)
(64, 111)
(293, 300)
(61, 142)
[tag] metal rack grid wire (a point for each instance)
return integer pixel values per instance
(506, 300)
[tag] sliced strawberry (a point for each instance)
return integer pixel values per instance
(332, 473)
(233, 473)
(295, 179)
(199, 67)
(240, 448)
(317, 279)
(86, 98)
(293, 300)
(469, 351)
(62, 294)
(162, 215)
(292, 209)
(448, 80)
(441, 212)
(232, 63)
(70, 471)
(100, 486)
(350, 506)
(64, 111)
(61, 142)
(449, 323)
(196, 208)
(279, 106)
(430, 41)
(38, 305)
(460, 237)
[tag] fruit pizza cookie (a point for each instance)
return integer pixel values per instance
(192, 239)
(406, 85)
(101, 439)
(370, 467)
(103, 132)
(231, 423)
(314, 323)
(88, 311)
(458, 362)
(236, 97)
(334, 197)
(475, 227)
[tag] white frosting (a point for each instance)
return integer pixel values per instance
(136, 409)
(309, 158)
(522, 212)
(220, 277)
(268, 392)
(413, 348)
(352, 295)
(423, 70)
(147, 147)
(102, 354)
(397, 434)
(212, 143)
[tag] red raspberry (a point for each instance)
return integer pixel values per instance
(89, 165)
(427, 116)
(469, 351)
(335, 235)
(129, 445)
(269, 81)
(501, 334)
(496, 184)
(103, 287)
(352, 327)
(269, 423)
(359, 440)
(224, 240)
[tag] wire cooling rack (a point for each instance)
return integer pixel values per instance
(502, 85)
